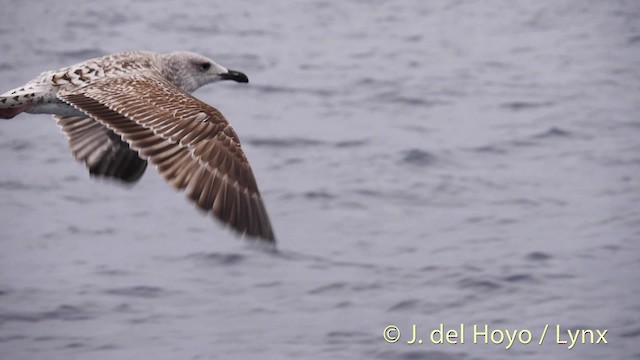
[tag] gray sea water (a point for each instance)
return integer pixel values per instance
(423, 162)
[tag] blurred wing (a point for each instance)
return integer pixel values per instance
(100, 149)
(191, 144)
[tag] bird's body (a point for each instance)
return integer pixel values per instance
(40, 94)
(121, 111)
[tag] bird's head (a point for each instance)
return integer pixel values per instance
(189, 70)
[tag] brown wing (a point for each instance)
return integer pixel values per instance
(100, 149)
(191, 144)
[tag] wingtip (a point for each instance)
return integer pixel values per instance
(267, 234)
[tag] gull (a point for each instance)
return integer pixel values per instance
(122, 111)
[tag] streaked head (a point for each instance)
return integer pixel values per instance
(190, 71)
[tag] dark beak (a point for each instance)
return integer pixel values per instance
(235, 76)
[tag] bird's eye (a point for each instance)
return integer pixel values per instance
(205, 66)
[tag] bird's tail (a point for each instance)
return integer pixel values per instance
(11, 111)
(15, 101)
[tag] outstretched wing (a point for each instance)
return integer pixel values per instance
(100, 149)
(191, 144)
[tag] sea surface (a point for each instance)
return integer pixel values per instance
(423, 163)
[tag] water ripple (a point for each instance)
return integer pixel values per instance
(216, 259)
(62, 312)
(538, 256)
(141, 291)
(284, 142)
(418, 157)
(526, 105)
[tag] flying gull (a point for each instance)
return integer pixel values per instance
(123, 110)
